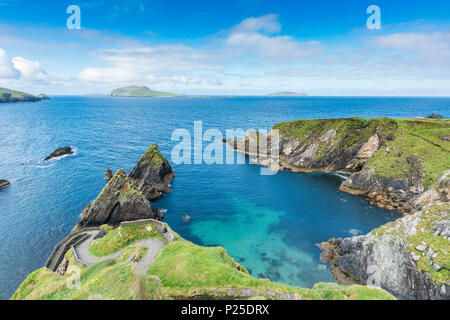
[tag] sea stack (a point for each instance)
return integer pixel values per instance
(59, 153)
(152, 174)
(119, 201)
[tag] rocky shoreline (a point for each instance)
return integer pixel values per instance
(363, 148)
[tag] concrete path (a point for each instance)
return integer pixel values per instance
(154, 246)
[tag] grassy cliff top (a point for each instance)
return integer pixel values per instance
(428, 140)
(136, 91)
(14, 93)
(181, 270)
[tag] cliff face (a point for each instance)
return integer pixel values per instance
(408, 257)
(399, 164)
(119, 201)
(391, 161)
(152, 174)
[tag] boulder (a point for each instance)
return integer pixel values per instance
(59, 153)
(152, 174)
(108, 174)
(4, 183)
(119, 201)
(435, 116)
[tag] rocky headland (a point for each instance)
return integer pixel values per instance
(59, 153)
(398, 164)
(8, 95)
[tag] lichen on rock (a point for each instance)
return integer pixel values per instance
(119, 201)
(152, 174)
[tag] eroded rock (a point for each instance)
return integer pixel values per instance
(152, 174)
(119, 201)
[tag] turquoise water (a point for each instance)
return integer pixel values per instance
(271, 224)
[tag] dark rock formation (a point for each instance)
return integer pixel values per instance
(119, 201)
(407, 258)
(152, 174)
(59, 153)
(435, 116)
(4, 183)
(108, 174)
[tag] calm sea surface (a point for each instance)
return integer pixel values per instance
(271, 224)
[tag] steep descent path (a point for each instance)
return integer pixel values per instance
(154, 246)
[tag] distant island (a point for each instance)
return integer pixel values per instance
(8, 95)
(287, 94)
(135, 91)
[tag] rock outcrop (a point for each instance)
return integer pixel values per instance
(119, 201)
(407, 257)
(59, 153)
(388, 159)
(152, 174)
(108, 174)
(4, 183)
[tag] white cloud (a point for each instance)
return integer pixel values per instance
(257, 36)
(274, 47)
(7, 69)
(434, 47)
(215, 82)
(266, 24)
(30, 70)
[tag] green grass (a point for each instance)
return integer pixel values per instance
(119, 238)
(135, 91)
(181, 270)
(186, 270)
(152, 156)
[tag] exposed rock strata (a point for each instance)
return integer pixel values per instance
(119, 201)
(59, 153)
(347, 145)
(406, 257)
(152, 174)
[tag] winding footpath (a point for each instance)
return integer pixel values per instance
(154, 246)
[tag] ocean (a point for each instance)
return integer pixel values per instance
(269, 223)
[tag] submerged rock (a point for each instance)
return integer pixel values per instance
(152, 174)
(59, 153)
(119, 201)
(108, 174)
(4, 183)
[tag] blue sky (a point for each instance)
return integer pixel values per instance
(227, 47)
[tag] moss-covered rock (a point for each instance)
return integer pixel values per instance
(119, 201)
(152, 174)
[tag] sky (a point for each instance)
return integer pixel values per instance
(233, 47)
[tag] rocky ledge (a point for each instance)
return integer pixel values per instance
(4, 183)
(152, 174)
(407, 257)
(59, 153)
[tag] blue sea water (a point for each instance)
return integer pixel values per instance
(271, 224)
